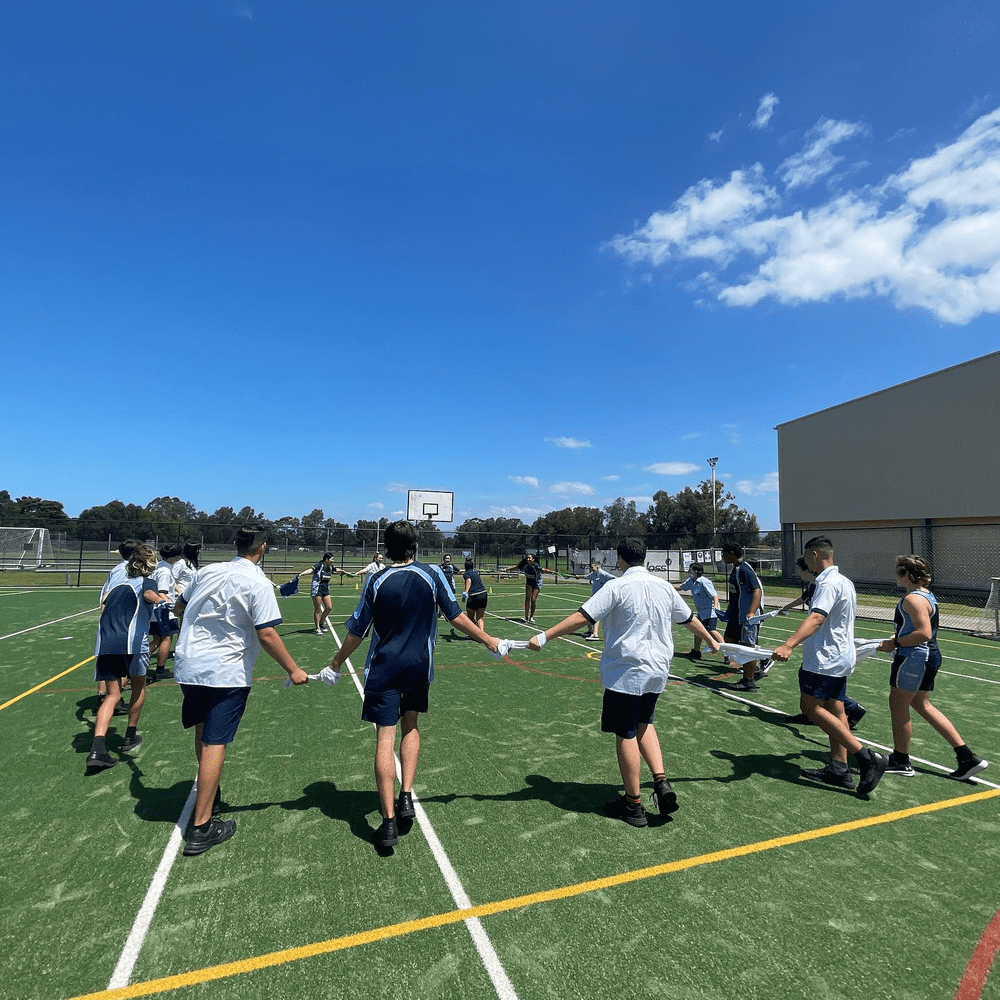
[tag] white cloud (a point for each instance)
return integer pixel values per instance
(671, 468)
(765, 110)
(927, 237)
(376, 506)
(817, 159)
(397, 488)
(568, 442)
(525, 481)
(769, 484)
(515, 511)
(715, 136)
(691, 436)
(612, 478)
(245, 12)
(581, 489)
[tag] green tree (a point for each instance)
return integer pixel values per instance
(313, 528)
(623, 520)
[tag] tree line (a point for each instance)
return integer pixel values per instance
(687, 519)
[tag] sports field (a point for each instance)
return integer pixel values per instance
(511, 883)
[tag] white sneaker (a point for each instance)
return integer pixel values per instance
(317, 631)
(592, 638)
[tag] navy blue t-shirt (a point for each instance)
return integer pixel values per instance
(400, 605)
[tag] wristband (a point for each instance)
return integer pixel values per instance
(540, 639)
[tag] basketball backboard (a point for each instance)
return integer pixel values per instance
(430, 505)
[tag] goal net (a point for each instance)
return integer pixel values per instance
(24, 548)
(988, 626)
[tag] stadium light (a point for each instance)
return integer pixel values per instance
(712, 463)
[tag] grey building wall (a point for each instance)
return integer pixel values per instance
(924, 449)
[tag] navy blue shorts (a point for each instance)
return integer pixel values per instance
(710, 622)
(915, 669)
(217, 710)
(476, 603)
(385, 708)
(623, 714)
(745, 635)
(822, 687)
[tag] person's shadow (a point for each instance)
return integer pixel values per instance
(779, 766)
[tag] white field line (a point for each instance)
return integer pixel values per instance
(14, 593)
(487, 953)
(55, 621)
(144, 918)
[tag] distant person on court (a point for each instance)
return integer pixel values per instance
(228, 613)
(117, 573)
(475, 595)
(638, 611)
(706, 604)
(598, 577)
(122, 650)
(828, 659)
(319, 589)
(915, 665)
(185, 568)
(532, 583)
(854, 711)
(745, 597)
(399, 605)
(375, 566)
(170, 555)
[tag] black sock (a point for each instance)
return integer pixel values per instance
(902, 758)
(202, 826)
(130, 732)
(839, 766)
(99, 745)
(863, 756)
(964, 754)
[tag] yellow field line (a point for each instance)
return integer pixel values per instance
(38, 687)
(274, 958)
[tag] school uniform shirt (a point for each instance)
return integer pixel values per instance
(598, 578)
(904, 623)
(321, 579)
(477, 588)
(164, 577)
(638, 611)
(125, 620)
(743, 581)
(449, 573)
(703, 593)
(114, 577)
(830, 649)
(227, 603)
(183, 574)
(532, 575)
(400, 607)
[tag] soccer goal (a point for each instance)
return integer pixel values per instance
(988, 626)
(25, 548)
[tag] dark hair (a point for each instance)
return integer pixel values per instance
(170, 550)
(249, 538)
(733, 548)
(191, 551)
(470, 563)
(127, 547)
(326, 555)
(821, 543)
(632, 550)
(696, 568)
(400, 541)
(917, 569)
(142, 562)
(801, 563)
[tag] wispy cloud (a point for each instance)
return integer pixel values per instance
(691, 436)
(246, 12)
(513, 510)
(612, 478)
(765, 111)
(568, 442)
(817, 159)
(524, 481)
(715, 136)
(927, 237)
(769, 484)
(397, 488)
(376, 506)
(579, 489)
(671, 468)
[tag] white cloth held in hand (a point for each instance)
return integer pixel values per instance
(327, 675)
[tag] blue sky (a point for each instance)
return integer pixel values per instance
(541, 254)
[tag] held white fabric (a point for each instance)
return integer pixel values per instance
(327, 675)
(744, 654)
(506, 645)
(540, 639)
(865, 649)
(757, 619)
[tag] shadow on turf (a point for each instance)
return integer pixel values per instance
(573, 796)
(784, 767)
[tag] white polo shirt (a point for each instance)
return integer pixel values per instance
(638, 611)
(226, 604)
(830, 649)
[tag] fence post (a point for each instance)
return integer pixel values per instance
(79, 565)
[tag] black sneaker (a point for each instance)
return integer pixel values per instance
(870, 771)
(217, 831)
(163, 675)
(100, 761)
(799, 720)
(130, 743)
(763, 668)
(385, 835)
(744, 685)
(631, 812)
(856, 716)
(404, 806)
(897, 766)
(695, 654)
(839, 779)
(666, 797)
(964, 771)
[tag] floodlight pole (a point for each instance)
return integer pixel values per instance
(712, 462)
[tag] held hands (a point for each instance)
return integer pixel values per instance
(887, 646)
(537, 641)
(782, 653)
(298, 676)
